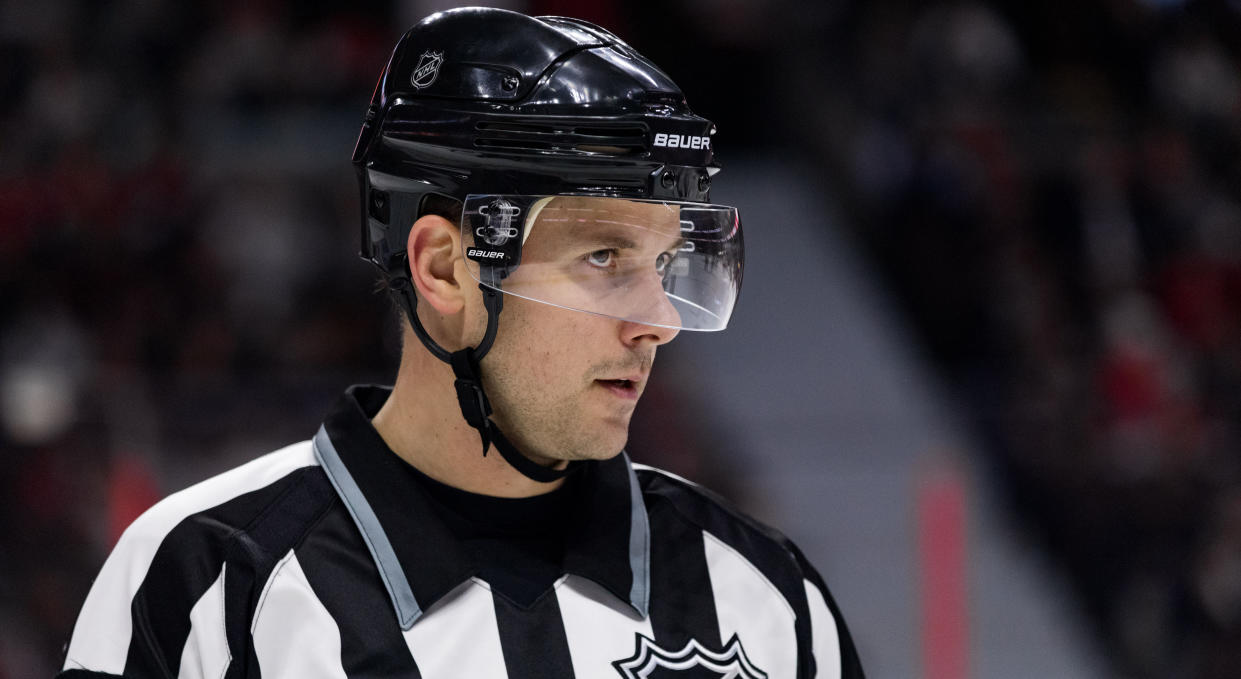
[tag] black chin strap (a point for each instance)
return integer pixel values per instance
(475, 407)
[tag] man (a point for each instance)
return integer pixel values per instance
(480, 519)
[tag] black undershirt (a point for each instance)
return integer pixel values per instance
(517, 543)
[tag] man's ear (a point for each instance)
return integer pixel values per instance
(433, 249)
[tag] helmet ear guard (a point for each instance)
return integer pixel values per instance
(552, 106)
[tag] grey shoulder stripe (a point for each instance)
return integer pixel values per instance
(407, 609)
(639, 545)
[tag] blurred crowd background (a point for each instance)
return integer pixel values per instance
(1048, 191)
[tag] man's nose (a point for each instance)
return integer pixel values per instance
(659, 323)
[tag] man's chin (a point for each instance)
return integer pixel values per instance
(595, 450)
(603, 455)
(605, 439)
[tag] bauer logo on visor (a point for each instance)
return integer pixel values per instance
(664, 263)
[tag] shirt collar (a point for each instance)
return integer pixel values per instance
(417, 556)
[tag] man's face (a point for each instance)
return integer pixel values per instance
(564, 383)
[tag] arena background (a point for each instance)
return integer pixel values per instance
(986, 366)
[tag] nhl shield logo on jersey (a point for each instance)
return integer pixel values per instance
(428, 67)
(649, 661)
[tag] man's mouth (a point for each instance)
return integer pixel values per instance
(624, 388)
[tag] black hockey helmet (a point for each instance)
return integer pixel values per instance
(530, 130)
(489, 101)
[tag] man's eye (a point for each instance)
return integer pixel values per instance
(601, 258)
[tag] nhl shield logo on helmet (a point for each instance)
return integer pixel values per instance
(649, 661)
(427, 69)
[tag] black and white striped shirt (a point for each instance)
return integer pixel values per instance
(324, 559)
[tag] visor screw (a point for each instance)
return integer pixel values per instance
(509, 83)
(667, 179)
(704, 182)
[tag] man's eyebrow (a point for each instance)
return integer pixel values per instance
(609, 240)
(619, 242)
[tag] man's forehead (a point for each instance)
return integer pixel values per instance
(588, 216)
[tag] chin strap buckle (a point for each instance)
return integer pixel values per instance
(475, 407)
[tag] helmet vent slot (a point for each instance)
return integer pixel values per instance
(611, 140)
(635, 132)
(516, 128)
(515, 144)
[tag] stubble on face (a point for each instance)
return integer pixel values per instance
(563, 384)
(540, 377)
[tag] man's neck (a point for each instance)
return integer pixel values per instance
(422, 423)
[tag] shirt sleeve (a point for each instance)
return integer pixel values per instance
(835, 656)
(156, 609)
(177, 595)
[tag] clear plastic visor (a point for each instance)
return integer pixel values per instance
(661, 263)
